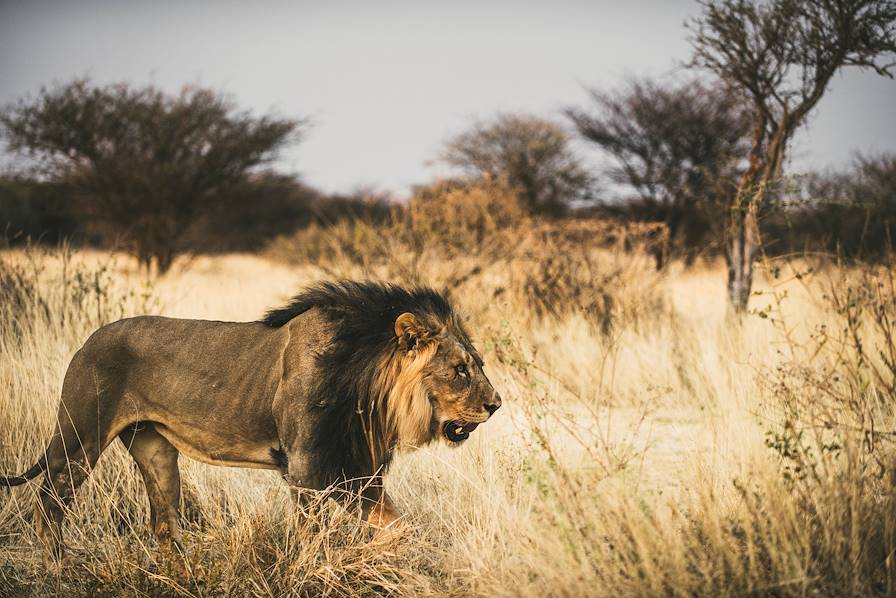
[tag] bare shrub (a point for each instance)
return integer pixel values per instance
(560, 279)
(448, 222)
(463, 218)
(834, 431)
(558, 271)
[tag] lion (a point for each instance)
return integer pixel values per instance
(324, 390)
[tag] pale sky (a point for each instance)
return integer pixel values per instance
(386, 82)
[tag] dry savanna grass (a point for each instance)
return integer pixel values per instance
(649, 443)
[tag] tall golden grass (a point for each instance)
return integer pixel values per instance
(649, 444)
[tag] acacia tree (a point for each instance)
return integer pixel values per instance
(781, 55)
(144, 164)
(532, 154)
(676, 145)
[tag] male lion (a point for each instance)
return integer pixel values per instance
(323, 390)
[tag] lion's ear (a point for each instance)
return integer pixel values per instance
(410, 331)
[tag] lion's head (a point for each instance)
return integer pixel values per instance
(441, 376)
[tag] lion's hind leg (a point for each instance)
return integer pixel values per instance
(156, 459)
(70, 459)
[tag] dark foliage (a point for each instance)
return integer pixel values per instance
(37, 211)
(244, 217)
(849, 214)
(247, 215)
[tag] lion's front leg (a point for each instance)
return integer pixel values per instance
(305, 501)
(380, 512)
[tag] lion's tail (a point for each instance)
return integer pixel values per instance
(32, 473)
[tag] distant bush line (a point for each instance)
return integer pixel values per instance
(841, 218)
(244, 219)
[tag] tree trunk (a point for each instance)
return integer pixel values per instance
(743, 239)
(742, 229)
(741, 246)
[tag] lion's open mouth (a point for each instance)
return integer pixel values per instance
(458, 431)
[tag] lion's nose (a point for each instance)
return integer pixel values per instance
(493, 404)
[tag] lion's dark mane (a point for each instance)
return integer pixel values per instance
(363, 317)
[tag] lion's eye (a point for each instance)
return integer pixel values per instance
(462, 370)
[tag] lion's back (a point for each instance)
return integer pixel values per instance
(153, 338)
(164, 362)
